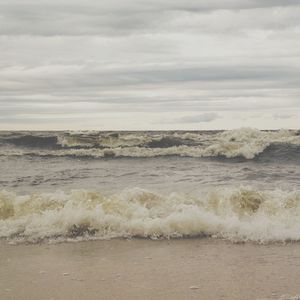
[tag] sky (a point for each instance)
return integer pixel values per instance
(156, 65)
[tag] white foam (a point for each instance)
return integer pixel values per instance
(237, 214)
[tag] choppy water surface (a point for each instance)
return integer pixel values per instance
(239, 185)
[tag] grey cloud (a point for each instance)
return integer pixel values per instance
(118, 18)
(59, 79)
(206, 117)
(73, 59)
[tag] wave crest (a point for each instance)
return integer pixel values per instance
(238, 214)
(247, 143)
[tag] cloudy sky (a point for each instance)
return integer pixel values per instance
(156, 64)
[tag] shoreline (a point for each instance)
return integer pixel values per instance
(147, 269)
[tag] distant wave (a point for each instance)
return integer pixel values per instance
(33, 141)
(247, 143)
(236, 214)
(280, 152)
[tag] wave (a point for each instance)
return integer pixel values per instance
(237, 214)
(280, 152)
(247, 143)
(35, 141)
(283, 152)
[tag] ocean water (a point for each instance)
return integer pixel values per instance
(240, 185)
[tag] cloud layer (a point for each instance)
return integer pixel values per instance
(143, 64)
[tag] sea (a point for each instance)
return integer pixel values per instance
(240, 185)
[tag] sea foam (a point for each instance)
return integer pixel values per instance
(236, 213)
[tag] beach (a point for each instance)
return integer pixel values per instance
(149, 150)
(146, 269)
(150, 215)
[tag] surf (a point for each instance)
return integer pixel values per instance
(238, 214)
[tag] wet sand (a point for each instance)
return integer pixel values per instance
(145, 269)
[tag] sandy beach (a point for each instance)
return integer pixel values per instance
(145, 269)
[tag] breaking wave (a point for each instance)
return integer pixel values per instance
(246, 143)
(236, 214)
